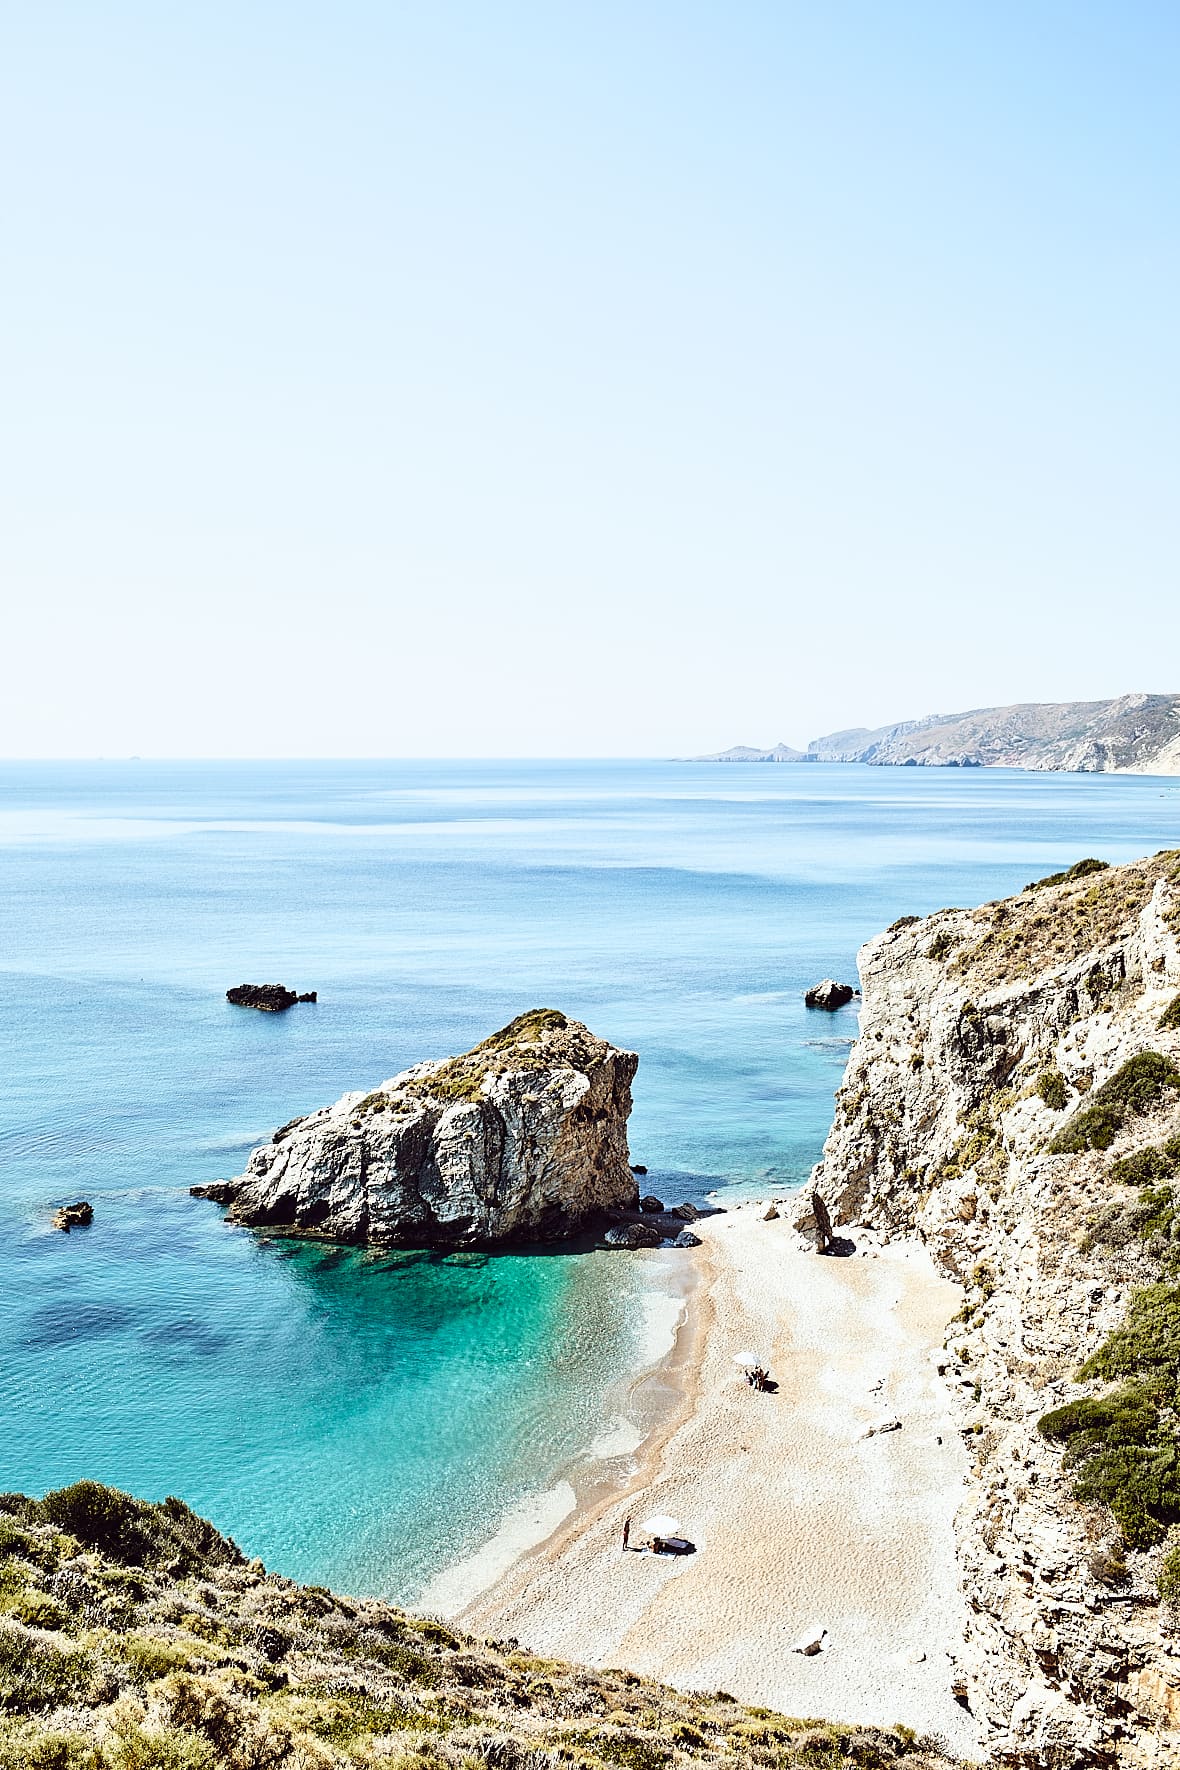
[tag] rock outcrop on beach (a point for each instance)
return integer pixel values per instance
(522, 1139)
(1014, 1099)
(137, 1637)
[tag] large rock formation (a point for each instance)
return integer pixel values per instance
(522, 1139)
(1010, 1060)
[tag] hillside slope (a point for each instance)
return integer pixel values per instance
(1014, 1097)
(1135, 734)
(135, 1637)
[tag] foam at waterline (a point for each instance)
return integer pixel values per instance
(526, 1525)
(537, 1516)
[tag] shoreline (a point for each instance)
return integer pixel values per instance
(646, 1405)
(799, 1520)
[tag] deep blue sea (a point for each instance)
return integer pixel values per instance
(365, 1421)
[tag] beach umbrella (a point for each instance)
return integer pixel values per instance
(745, 1358)
(662, 1525)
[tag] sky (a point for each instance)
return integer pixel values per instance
(566, 379)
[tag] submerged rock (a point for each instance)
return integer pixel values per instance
(76, 1216)
(829, 994)
(269, 998)
(522, 1139)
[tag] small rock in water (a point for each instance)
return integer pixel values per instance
(638, 1168)
(268, 998)
(829, 994)
(686, 1212)
(651, 1205)
(75, 1216)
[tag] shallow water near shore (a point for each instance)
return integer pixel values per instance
(366, 1421)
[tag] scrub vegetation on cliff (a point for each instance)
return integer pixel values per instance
(135, 1637)
(1125, 1444)
(1135, 1089)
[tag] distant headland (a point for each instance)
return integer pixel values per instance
(1135, 734)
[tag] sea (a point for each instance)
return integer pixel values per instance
(370, 1421)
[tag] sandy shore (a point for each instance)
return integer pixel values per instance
(798, 1520)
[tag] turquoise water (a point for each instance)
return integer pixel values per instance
(364, 1421)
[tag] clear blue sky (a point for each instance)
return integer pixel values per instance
(512, 379)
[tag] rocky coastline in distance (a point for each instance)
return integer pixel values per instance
(522, 1139)
(1134, 734)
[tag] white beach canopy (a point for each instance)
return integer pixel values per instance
(745, 1359)
(662, 1525)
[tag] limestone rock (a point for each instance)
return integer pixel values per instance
(941, 1131)
(686, 1239)
(522, 1139)
(874, 1431)
(829, 994)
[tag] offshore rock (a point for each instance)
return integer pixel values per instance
(269, 998)
(829, 994)
(984, 1033)
(522, 1139)
(76, 1216)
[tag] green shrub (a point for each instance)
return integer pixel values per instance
(1126, 1445)
(1125, 1456)
(37, 1673)
(1169, 1574)
(1147, 1165)
(1170, 1018)
(941, 945)
(1133, 1090)
(1081, 869)
(136, 1531)
(1052, 1089)
(39, 1611)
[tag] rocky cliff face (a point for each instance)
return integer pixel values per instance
(1135, 734)
(522, 1139)
(988, 1106)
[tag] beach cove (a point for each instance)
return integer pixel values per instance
(366, 1421)
(800, 1521)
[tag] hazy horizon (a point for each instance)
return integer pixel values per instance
(484, 380)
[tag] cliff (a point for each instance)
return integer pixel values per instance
(522, 1139)
(1135, 734)
(1014, 1099)
(136, 1637)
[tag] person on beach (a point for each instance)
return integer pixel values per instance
(626, 1533)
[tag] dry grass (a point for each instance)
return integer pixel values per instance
(1048, 926)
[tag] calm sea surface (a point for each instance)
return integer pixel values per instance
(366, 1421)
